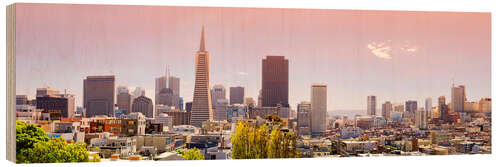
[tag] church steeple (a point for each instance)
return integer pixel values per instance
(202, 41)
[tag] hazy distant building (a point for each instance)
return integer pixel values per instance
(99, 95)
(421, 118)
(166, 97)
(21, 99)
(236, 95)
(160, 84)
(371, 105)
(217, 92)
(124, 101)
(179, 117)
(174, 83)
(458, 98)
(237, 112)
(220, 110)
(47, 91)
(304, 118)
(143, 105)
(122, 89)
(249, 101)
(139, 92)
(399, 108)
(411, 106)
(428, 104)
(386, 110)
(274, 81)
(202, 103)
(485, 105)
(318, 108)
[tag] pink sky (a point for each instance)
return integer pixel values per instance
(394, 55)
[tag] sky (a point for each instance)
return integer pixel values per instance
(395, 55)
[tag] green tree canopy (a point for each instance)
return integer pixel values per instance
(193, 154)
(27, 135)
(58, 150)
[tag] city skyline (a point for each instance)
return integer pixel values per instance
(350, 78)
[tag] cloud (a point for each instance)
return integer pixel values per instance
(241, 73)
(381, 50)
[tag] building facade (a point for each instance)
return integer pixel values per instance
(274, 81)
(371, 105)
(318, 108)
(143, 105)
(99, 95)
(236, 95)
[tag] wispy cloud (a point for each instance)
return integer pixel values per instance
(381, 50)
(240, 73)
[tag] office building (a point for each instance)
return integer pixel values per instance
(99, 95)
(143, 105)
(318, 108)
(386, 110)
(274, 81)
(371, 107)
(458, 98)
(217, 92)
(304, 118)
(236, 95)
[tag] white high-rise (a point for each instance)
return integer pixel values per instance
(218, 92)
(201, 109)
(371, 102)
(318, 108)
(457, 98)
(421, 118)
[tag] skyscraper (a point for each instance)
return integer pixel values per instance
(386, 110)
(421, 118)
(160, 83)
(174, 84)
(371, 103)
(428, 104)
(411, 106)
(166, 97)
(236, 95)
(202, 103)
(220, 110)
(274, 81)
(304, 118)
(124, 101)
(217, 92)
(99, 95)
(318, 108)
(458, 98)
(58, 105)
(143, 105)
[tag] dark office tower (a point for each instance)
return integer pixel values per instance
(99, 95)
(274, 81)
(166, 97)
(411, 106)
(143, 105)
(189, 105)
(236, 95)
(124, 101)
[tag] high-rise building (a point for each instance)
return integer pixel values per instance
(181, 103)
(485, 105)
(124, 101)
(371, 102)
(220, 110)
(458, 98)
(21, 100)
(217, 92)
(428, 104)
(174, 83)
(441, 100)
(202, 103)
(143, 105)
(318, 108)
(99, 95)
(421, 118)
(274, 81)
(386, 110)
(160, 84)
(166, 97)
(411, 106)
(304, 118)
(236, 95)
(122, 89)
(399, 108)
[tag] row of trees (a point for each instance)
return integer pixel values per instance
(33, 146)
(252, 142)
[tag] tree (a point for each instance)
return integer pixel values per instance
(250, 142)
(193, 154)
(58, 150)
(27, 135)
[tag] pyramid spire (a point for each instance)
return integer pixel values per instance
(202, 41)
